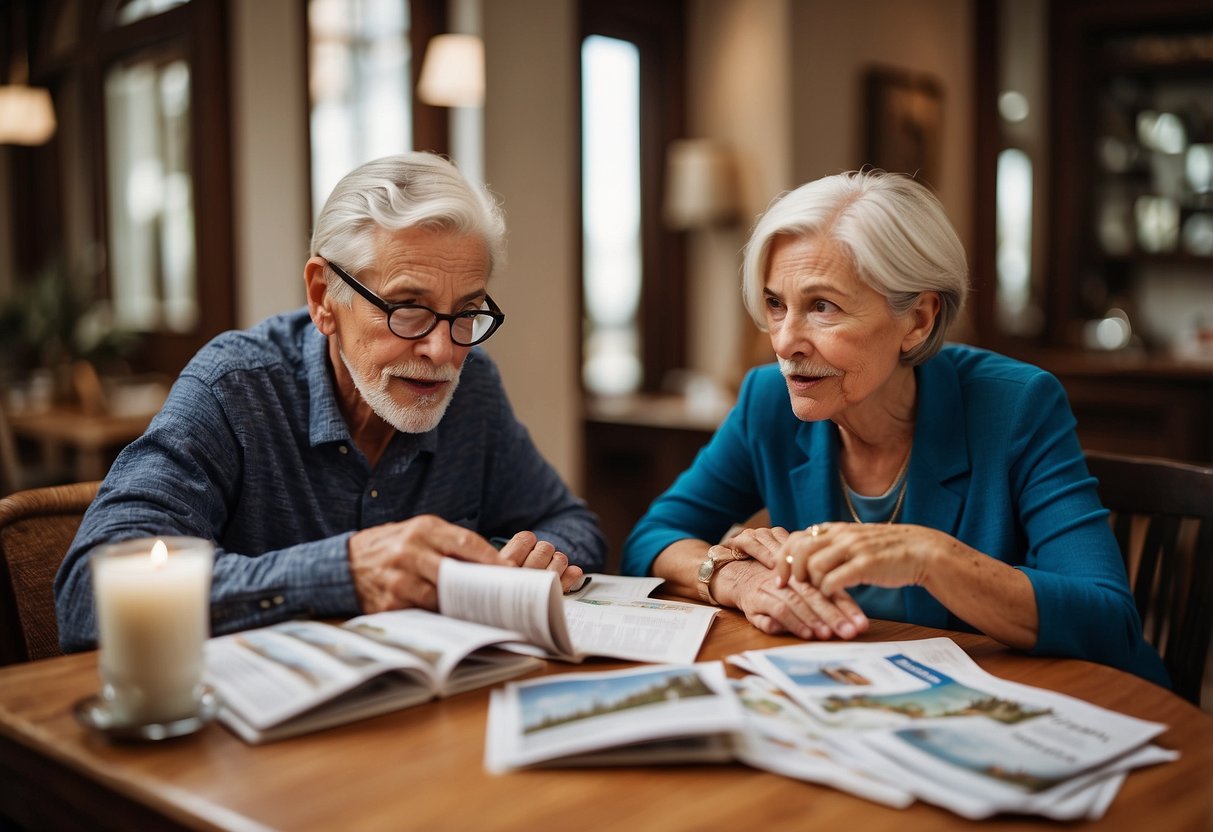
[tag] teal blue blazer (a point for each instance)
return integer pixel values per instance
(996, 464)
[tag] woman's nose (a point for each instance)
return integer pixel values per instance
(789, 340)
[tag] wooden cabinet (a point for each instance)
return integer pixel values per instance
(1131, 152)
(1137, 405)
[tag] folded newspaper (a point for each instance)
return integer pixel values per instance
(924, 718)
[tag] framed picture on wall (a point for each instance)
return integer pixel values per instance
(903, 114)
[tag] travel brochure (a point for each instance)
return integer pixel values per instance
(887, 721)
(891, 722)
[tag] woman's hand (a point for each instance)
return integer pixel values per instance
(988, 594)
(761, 544)
(797, 607)
(835, 556)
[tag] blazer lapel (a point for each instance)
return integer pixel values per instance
(818, 499)
(939, 470)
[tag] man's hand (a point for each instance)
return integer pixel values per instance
(524, 549)
(395, 566)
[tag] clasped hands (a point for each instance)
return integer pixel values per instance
(395, 565)
(797, 582)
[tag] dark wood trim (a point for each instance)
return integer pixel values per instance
(431, 125)
(987, 146)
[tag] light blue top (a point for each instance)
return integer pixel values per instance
(996, 464)
(251, 451)
(878, 601)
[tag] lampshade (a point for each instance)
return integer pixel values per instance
(27, 115)
(701, 184)
(452, 74)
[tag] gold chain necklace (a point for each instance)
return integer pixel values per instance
(901, 495)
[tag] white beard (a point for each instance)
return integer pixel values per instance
(421, 416)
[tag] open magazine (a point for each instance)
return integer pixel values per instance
(609, 616)
(646, 715)
(301, 676)
(496, 622)
(923, 717)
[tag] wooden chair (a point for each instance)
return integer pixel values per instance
(36, 528)
(1162, 515)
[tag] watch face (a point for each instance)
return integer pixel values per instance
(706, 569)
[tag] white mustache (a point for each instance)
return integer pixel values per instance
(804, 368)
(420, 371)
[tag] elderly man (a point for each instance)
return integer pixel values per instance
(337, 454)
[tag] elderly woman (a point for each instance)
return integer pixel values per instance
(939, 485)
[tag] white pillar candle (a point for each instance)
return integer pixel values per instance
(153, 618)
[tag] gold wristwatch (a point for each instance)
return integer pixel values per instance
(707, 571)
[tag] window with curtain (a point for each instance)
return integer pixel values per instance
(129, 204)
(633, 267)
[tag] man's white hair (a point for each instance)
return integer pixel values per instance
(409, 190)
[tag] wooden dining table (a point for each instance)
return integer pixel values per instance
(422, 768)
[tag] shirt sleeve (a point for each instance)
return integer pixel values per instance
(719, 489)
(1083, 600)
(179, 479)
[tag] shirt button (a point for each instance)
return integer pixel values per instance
(343, 449)
(279, 600)
(265, 603)
(374, 493)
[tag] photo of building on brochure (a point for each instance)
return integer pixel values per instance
(824, 674)
(551, 704)
(947, 699)
(985, 754)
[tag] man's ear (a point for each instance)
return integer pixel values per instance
(318, 300)
(922, 316)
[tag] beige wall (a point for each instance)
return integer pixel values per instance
(781, 82)
(269, 157)
(531, 161)
(739, 53)
(834, 42)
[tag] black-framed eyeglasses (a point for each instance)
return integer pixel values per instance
(412, 321)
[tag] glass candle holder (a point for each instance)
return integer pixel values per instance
(153, 619)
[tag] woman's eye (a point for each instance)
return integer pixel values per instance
(824, 306)
(773, 305)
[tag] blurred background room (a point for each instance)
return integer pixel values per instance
(161, 162)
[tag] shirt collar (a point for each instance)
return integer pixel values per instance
(325, 422)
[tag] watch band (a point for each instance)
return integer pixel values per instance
(707, 571)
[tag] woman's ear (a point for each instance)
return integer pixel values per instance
(318, 300)
(921, 317)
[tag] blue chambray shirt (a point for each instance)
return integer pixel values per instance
(252, 452)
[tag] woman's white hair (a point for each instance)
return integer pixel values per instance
(409, 190)
(895, 231)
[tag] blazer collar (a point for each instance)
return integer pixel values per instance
(940, 464)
